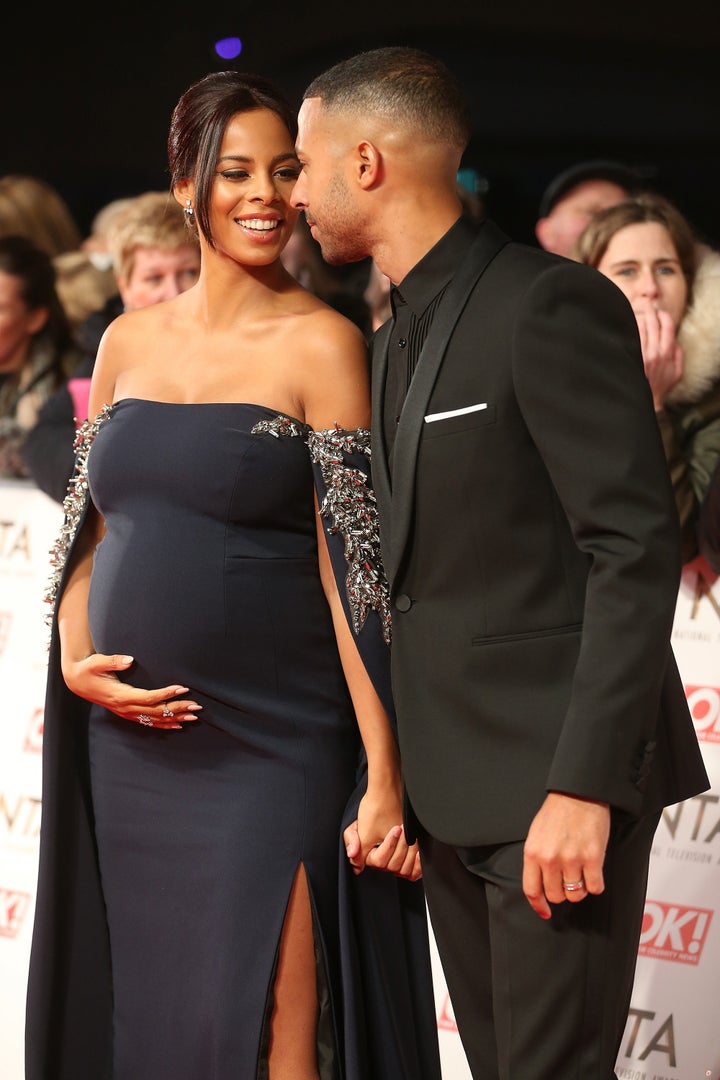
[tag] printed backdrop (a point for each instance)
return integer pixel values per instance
(673, 1031)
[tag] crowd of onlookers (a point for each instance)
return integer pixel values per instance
(59, 290)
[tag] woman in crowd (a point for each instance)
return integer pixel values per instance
(154, 257)
(648, 249)
(30, 206)
(225, 889)
(37, 353)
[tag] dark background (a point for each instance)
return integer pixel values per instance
(86, 99)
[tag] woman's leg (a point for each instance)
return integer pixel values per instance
(292, 1052)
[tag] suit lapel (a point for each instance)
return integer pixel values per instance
(489, 241)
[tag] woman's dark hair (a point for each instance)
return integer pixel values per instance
(198, 125)
(33, 267)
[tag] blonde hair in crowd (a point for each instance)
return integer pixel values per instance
(152, 219)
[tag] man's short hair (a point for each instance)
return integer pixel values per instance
(402, 84)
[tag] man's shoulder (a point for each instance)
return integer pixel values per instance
(520, 265)
(532, 259)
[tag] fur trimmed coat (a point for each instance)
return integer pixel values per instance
(690, 421)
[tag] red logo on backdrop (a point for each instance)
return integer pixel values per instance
(446, 1019)
(5, 624)
(13, 908)
(704, 703)
(674, 932)
(34, 733)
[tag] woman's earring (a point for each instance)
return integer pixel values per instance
(188, 208)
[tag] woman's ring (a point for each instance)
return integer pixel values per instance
(167, 713)
(145, 719)
(574, 886)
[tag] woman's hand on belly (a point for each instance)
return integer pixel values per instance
(95, 678)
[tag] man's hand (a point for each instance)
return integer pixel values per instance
(564, 851)
(392, 854)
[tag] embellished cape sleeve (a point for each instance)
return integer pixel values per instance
(69, 987)
(341, 467)
(75, 506)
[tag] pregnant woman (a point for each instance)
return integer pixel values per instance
(225, 890)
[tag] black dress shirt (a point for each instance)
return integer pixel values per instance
(414, 303)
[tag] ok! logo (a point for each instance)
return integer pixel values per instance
(704, 704)
(446, 1017)
(674, 932)
(13, 909)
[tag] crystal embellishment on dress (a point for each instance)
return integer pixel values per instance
(73, 505)
(350, 507)
(280, 425)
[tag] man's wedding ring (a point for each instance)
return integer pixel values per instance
(573, 886)
(145, 719)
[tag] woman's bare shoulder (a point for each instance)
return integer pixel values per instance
(335, 370)
(327, 334)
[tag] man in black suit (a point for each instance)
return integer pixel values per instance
(531, 545)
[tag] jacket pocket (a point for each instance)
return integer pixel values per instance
(528, 635)
(452, 421)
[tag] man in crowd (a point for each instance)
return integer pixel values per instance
(574, 196)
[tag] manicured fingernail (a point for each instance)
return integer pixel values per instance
(180, 690)
(194, 708)
(126, 659)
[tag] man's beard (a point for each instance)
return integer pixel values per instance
(341, 240)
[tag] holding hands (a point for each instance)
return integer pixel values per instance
(373, 840)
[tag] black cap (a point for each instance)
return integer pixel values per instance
(626, 176)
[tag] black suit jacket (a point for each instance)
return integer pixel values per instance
(532, 550)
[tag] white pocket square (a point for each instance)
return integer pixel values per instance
(432, 417)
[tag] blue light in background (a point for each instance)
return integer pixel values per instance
(228, 48)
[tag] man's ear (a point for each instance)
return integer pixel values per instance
(543, 232)
(368, 164)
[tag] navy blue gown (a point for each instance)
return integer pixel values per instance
(208, 576)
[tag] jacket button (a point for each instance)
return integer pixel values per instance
(403, 602)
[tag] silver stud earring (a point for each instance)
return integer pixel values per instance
(188, 208)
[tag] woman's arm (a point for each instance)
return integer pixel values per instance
(377, 838)
(336, 395)
(94, 676)
(91, 675)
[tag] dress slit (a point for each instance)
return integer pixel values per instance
(325, 1036)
